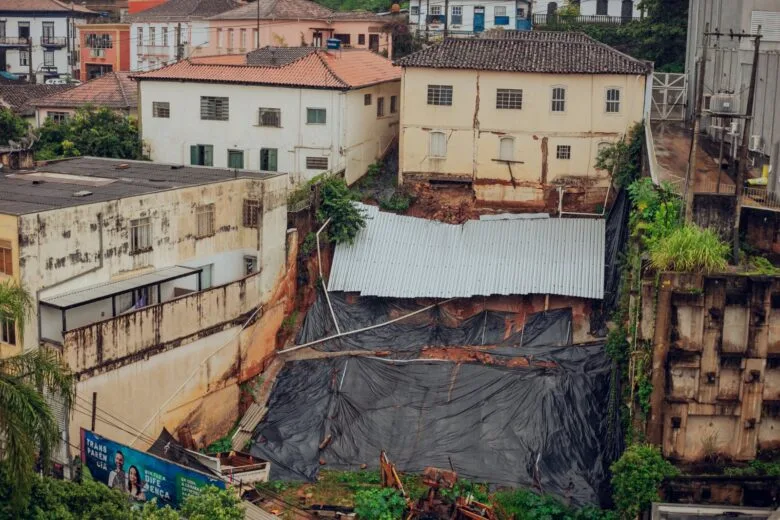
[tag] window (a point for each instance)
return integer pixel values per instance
(270, 117)
(315, 116)
(206, 275)
(559, 99)
(24, 58)
(140, 235)
(602, 7)
(152, 36)
(2, 28)
(521, 12)
(139, 36)
(435, 10)
(613, 100)
(393, 104)
(219, 38)
(214, 108)
(250, 265)
(235, 159)
(499, 15)
(457, 15)
(415, 10)
(48, 58)
(255, 40)
(380, 106)
(361, 39)
(499, 10)
(161, 109)
(509, 98)
(230, 39)
(24, 30)
(268, 159)
(202, 155)
(316, 163)
(345, 38)
(563, 152)
(707, 101)
(506, 149)
(251, 210)
(367, 99)
(57, 117)
(205, 219)
(8, 331)
(438, 145)
(440, 95)
(6, 258)
(48, 31)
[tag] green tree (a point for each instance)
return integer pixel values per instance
(379, 504)
(12, 127)
(212, 504)
(337, 205)
(26, 421)
(98, 132)
(636, 477)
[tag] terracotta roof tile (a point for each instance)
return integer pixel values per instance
(284, 9)
(277, 56)
(19, 97)
(182, 10)
(318, 69)
(543, 52)
(112, 90)
(43, 5)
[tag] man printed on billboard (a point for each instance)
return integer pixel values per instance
(117, 479)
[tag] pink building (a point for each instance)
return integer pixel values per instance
(294, 23)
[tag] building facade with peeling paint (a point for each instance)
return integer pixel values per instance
(518, 116)
(160, 285)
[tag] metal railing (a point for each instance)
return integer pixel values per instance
(760, 198)
(725, 187)
(54, 41)
(560, 19)
(10, 40)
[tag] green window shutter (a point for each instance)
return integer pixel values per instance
(208, 155)
(193, 154)
(272, 160)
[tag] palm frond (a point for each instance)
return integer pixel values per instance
(15, 304)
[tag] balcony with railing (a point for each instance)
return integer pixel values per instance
(54, 41)
(14, 41)
(562, 19)
(154, 50)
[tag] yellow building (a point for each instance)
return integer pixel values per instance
(519, 116)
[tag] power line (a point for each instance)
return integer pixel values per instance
(88, 404)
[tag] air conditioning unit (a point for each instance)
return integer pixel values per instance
(723, 103)
(755, 143)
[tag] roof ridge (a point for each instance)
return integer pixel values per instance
(338, 78)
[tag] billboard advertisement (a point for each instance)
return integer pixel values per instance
(140, 475)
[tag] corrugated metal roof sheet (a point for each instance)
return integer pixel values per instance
(246, 427)
(252, 512)
(407, 257)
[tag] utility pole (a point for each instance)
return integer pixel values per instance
(179, 48)
(743, 152)
(29, 58)
(94, 410)
(258, 25)
(690, 177)
(446, 16)
(427, 15)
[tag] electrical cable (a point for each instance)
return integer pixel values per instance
(87, 404)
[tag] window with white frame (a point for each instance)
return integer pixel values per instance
(139, 40)
(152, 36)
(164, 36)
(563, 152)
(511, 98)
(415, 10)
(270, 117)
(6, 257)
(559, 99)
(613, 100)
(316, 116)
(242, 41)
(8, 331)
(140, 235)
(219, 38)
(161, 109)
(24, 58)
(205, 220)
(457, 15)
(506, 149)
(435, 10)
(499, 10)
(440, 95)
(57, 117)
(230, 38)
(438, 145)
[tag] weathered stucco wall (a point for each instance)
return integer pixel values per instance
(191, 377)
(474, 128)
(9, 226)
(717, 383)
(66, 249)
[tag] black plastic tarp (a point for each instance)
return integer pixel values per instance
(167, 447)
(532, 426)
(433, 327)
(615, 243)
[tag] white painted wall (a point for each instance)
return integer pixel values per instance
(614, 8)
(13, 63)
(347, 131)
(417, 21)
(150, 54)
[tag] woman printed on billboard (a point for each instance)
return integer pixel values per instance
(135, 486)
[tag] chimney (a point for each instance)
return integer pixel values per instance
(273, 56)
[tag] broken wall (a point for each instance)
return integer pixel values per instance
(715, 382)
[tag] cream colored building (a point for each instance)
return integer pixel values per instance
(518, 117)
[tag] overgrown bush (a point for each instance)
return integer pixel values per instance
(337, 205)
(12, 127)
(636, 477)
(379, 504)
(623, 159)
(399, 202)
(522, 504)
(689, 249)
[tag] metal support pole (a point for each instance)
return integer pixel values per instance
(690, 177)
(94, 410)
(720, 158)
